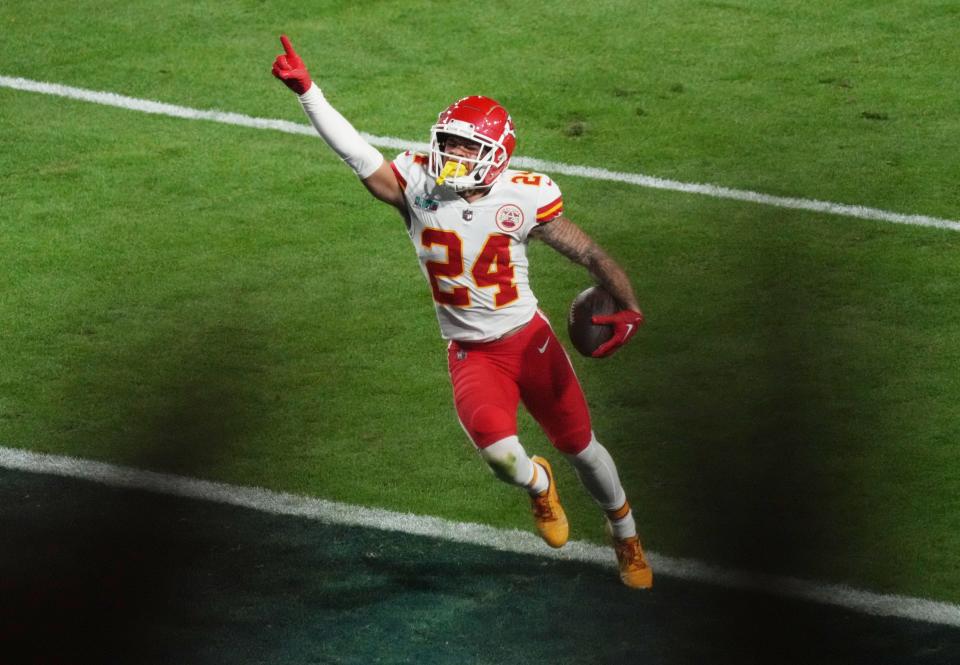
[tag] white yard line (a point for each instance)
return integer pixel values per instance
(521, 542)
(147, 106)
(511, 541)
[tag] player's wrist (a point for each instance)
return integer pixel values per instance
(312, 92)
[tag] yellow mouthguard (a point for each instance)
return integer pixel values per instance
(452, 169)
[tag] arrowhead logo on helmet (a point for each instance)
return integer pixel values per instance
(483, 121)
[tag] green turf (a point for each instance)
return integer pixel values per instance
(104, 575)
(230, 303)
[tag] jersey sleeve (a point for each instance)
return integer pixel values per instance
(549, 201)
(405, 163)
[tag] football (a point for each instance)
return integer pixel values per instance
(584, 335)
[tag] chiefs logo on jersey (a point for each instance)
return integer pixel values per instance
(509, 218)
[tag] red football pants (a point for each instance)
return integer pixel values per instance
(489, 380)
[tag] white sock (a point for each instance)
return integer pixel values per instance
(540, 482)
(598, 473)
(622, 527)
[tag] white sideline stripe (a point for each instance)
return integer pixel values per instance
(506, 540)
(159, 108)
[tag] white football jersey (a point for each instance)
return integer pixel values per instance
(474, 255)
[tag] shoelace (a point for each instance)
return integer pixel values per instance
(629, 551)
(542, 508)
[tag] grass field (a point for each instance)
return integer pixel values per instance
(99, 574)
(229, 303)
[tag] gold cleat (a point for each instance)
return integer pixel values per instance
(547, 512)
(635, 572)
(452, 170)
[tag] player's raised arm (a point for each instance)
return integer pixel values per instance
(339, 134)
(570, 240)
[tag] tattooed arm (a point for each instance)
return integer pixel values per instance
(568, 239)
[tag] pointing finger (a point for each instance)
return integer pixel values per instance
(287, 46)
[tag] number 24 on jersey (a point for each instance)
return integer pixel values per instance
(492, 268)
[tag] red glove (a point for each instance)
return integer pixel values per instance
(625, 324)
(290, 69)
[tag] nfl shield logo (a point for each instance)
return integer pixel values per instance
(467, 215)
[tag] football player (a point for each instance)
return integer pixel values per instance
(470, 219)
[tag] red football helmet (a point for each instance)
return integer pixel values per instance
(478, 119)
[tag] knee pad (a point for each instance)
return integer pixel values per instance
(508, 461)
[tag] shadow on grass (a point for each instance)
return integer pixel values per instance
(755, 410)
(89, 580)
(95, 574)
